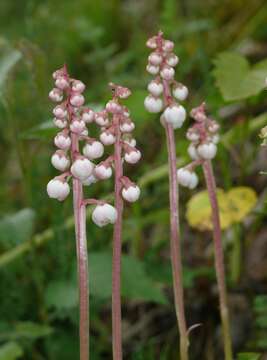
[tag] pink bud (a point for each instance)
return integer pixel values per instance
(133, 156)
(101, 118)
(155, 88)
(58, 189)
(78, 86)
(60, 123)
(155, 59)
(94, 150)
(102, 171)
(82, 168)
(62, 141)
(60, 112)
(107, 138)
(152, 42)
(77, 126)
(167, 73)
(113, 107)
(60, 161)
(56, 95)
(62, 83)
(152, 69)
(77, 100)
(172, 60)
(127, 127)
(88, 115)
(131, 194)
(168, 46)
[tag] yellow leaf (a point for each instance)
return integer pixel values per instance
(234, 205)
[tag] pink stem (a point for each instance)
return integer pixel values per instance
(82, 257)
(116, 266)
(176, 259)
(219, 259)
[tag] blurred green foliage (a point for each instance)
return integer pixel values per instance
(222, 47)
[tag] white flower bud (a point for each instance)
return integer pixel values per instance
(152, 43)
(56, 95)
(62, 83)
(88, 115)
(153, 104)
(103, 172)
(172, 60)
(107, 138)
(82, 168)
(175, 115)
(192, 134)
(77, 126)
(155, 88)
(131, 142)
(152, 69)
(84, 132)
(104, 215)
(127, 127)
(60, 112)
(58, 189)
(101, 118)
(60, 161)
(180, 92)
(168, 46)
(155, 59)
(62, 141)
(131, 194)
(192, 151)
(213, 127)
(94, 150)
(90, 180)
(167, 73)
(77, 100)
(78, 86)
(113, 107)
(60, 123)
(132, 157)
(207, 151)
(187, 178)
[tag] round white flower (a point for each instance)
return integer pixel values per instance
(133, 156)
(61, 83)
(60, 123)
(207, 151)
(77, 100)
(152, 69)
(194, 181)
(58, 189)
(192, 151)
(168, 45)
(187, 178)
(155, 59)
(127, 127)
(172, 60)
(60, 161)
(131, 194)
(107, 138)
(104, 215)
(153, 104)
(155, 88)
(180, 92)
(102, 172)
(101, 119)
(82, 168)
(60, 112)
(175, 115)
(192, 135)
(77, 126)
(94, 150)
(78, 86)
(56, 95)
(167, 73)
(62, 141)
(88, 116)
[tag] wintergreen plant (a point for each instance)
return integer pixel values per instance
(164, 96)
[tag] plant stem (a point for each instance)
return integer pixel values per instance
(82, 257)
(176, 246)
(116, 264)
(219, 259)
(176, 259)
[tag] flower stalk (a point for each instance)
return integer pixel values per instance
(161, 62)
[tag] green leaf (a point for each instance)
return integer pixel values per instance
(236, 79)
(135, 103)
(17, 228)
(10, 351)
(61, 295)
(248, 356)
(136, 284)
(45, 130)
(8, 60)
(30, 330)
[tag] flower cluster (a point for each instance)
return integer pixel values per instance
(72, 118)
(161, 63)
(204, 138)
(117, 124)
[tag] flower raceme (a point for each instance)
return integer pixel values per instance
(161, 62)
(72, 118)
